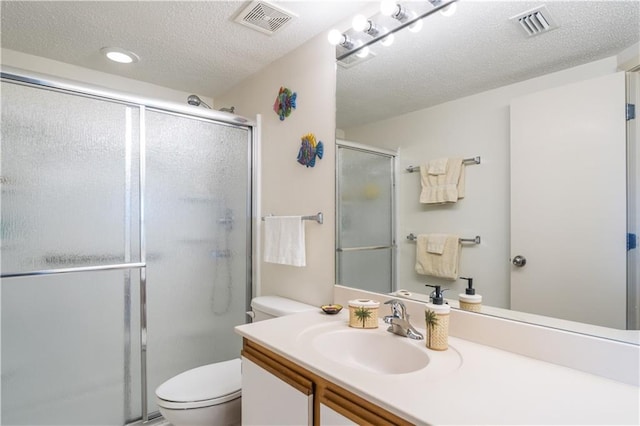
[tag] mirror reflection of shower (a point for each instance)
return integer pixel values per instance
(196, 101)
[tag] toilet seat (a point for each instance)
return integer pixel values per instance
(204, 386)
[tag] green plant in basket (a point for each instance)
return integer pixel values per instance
(432, 320)
(363, 314)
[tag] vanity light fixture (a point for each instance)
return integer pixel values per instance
(394, 10)
(388, 40)
(351, 42)
(119, 55)
(445, 11)
(361, 23)
(364, 52)
(336, 38)
(402, 14)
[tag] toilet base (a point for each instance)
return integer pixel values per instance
(226, 414)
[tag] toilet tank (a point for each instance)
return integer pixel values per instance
(266, 307)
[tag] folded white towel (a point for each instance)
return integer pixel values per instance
(284, 241)
(444, 188)
(437, 167)
(445, 264)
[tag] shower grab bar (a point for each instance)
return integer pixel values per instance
(76, 269)
(317, 217)
(474, 160)
(475, 240)
(341, 249)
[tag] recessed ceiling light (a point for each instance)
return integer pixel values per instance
(117, 54)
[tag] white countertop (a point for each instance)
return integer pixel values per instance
(491, 386)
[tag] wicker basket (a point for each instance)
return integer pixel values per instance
(370, 306)
(437, 337)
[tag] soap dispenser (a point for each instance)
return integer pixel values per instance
(436, 316)
(469, 300)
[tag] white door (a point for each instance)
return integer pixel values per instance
(568, 202)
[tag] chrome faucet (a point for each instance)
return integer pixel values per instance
(399, 321)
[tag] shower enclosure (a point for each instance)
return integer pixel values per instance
(365, 217)
(126, 248)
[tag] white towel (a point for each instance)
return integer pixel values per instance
(444, 188)
(436, 242)
(284, 240)
(437, 167)
(445, 264)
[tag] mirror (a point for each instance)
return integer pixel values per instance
(449, 91)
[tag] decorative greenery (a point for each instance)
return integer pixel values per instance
(363, 314)
(431, 319)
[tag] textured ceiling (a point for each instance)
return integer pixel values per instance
(195, 46)
(478, 49)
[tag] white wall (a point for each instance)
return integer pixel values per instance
(288, 188)
(477, 125)
(63, 70)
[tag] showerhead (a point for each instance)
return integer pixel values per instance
(196, 101)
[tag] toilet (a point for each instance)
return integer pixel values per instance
(210, 394)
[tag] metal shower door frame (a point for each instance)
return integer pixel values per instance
(45, 82)
(393, 156)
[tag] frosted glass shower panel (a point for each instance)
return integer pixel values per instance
(68, 355)
(365, 193)
(69, 180)
(369, 270)
(365, 240)
(196, 211)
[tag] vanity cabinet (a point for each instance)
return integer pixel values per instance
(278, 391)
(268, 400)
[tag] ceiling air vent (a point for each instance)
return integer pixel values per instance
(535, 21)
(264, 17)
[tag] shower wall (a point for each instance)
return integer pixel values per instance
(109, 206)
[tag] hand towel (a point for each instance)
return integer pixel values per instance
(437, 167)
(284, 241)
(444, 188)
(445, 264)
(436, 242)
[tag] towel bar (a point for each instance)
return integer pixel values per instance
(317, 217)
(474, 160)
(475, 240)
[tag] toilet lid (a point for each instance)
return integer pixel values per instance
(279, 306)
(221, 379)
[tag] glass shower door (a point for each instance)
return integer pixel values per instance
(365, 240)
(69, 259)
(197, 211)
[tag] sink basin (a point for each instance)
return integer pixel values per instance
(375, 351)
(371, 351)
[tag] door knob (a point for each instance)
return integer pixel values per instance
(519, 261)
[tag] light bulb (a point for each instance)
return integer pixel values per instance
(363, 53)
(335, 37)
(449, 10)
(388, 40)
(360, 22)
(388, 7)
(417, 26)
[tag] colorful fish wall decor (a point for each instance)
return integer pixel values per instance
(309, 150)
(285, 102)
